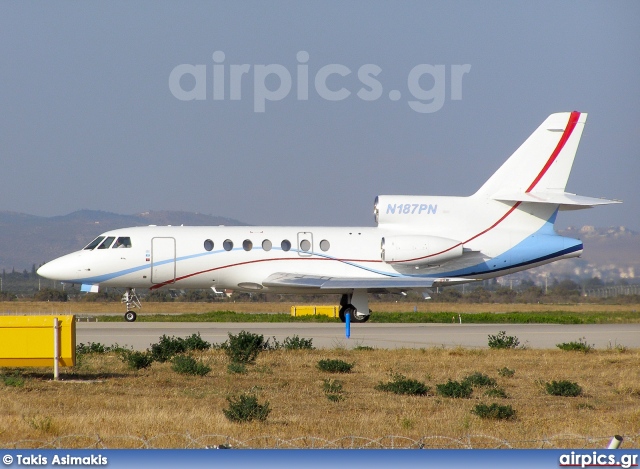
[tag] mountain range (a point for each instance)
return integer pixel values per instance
(27, 240)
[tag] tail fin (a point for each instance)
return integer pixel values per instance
(538, 171)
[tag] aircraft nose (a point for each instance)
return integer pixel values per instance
(48, 270)
(62, 269)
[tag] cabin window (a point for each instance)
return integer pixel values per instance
(285, 245)
(208, 245)
(107, 242)
(324, 245)
(227, 245)
(122, 242)
(247, 245)
(92, 245)
(305, 245)
(266, 245)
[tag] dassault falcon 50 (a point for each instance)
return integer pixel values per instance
(419, 243)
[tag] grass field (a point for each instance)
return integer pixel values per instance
(423, 312)
(102, 398)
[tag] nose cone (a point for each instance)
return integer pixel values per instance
(50, 270)
(64, 269)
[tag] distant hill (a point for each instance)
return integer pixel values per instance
(26, 240)
(609, 253)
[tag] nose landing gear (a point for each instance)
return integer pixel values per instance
(131, 300)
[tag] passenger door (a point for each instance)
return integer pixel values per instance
(163, 260)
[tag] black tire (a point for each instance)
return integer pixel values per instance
(359, 318)
(130, 316)
(355, 317)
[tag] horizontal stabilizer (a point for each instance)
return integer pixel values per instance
(566, 200)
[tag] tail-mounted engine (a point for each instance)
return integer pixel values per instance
(419, 250)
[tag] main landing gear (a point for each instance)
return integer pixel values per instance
(355, 304)
(131, 300)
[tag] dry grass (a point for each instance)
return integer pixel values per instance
(101, 396)
(29, 307)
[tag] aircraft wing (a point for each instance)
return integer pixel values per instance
(301, 281)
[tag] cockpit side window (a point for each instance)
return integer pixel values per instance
(122, 242)
(107, 242)
(92, 245)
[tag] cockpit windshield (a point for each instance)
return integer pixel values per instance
(104, 242)
(122, 242)
(107, 242)
(92, 245)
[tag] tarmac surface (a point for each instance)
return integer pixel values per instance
(140, 335)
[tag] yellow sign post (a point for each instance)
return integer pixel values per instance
(38, 341)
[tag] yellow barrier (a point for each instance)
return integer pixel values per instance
(331, 311)
(36, 340)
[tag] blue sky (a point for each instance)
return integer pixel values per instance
(89, 120)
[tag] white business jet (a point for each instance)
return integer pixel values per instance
(419, 243)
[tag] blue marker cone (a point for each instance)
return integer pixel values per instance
(347, 322)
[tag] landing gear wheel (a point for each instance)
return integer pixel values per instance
(355, 316)
(358, 317)
(130, 299)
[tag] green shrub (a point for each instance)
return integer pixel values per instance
(494, 411)
(244, 347)
(237, 368)
(137, 360)
(335, 366)
(91, 347)
(502, 340)
(245, 408)
(169, 347)
(297, 343)
(496, 392)
(400, 384)
(12, 379)
(454, 389)
(579, 346)
(97, 348)
(478, 379)
(335, 397)
(187, 365)
(195, 342)
(333, 390)
(563, 388)
(506, 372)
(362, 348)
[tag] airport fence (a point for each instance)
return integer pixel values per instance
(610, 292)
(214, 441)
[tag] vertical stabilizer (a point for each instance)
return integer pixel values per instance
(543, 162)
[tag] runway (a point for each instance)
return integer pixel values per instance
(387, 336)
